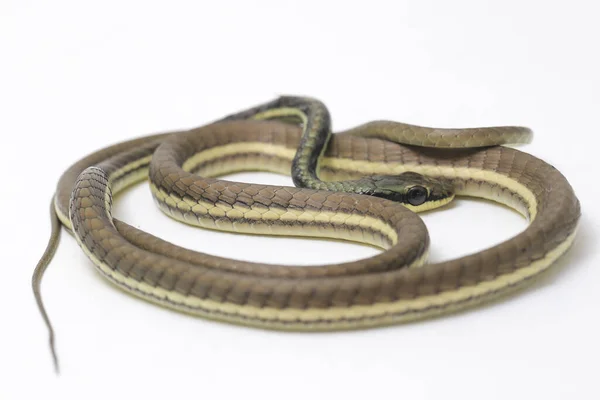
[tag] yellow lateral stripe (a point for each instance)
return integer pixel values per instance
(396, 311)
(380, 312)
(265, 214)
(373, 168)
(334, 163)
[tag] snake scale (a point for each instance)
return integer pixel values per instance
(360, 185)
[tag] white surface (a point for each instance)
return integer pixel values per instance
(76, 77)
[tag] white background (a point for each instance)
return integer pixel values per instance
(75, 77)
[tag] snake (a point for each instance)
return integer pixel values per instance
(364, 185)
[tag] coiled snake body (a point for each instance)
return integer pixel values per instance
(395, 285)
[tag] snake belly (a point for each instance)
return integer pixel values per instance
(394, 286)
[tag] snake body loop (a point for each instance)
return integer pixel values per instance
(394, 286)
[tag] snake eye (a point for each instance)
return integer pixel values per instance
(417, 195)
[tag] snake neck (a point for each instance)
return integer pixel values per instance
(315, 120)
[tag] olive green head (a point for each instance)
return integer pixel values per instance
(415, 191)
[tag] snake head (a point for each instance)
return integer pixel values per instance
(415, 191)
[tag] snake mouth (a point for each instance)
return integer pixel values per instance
(441, 192)
(432, 203)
